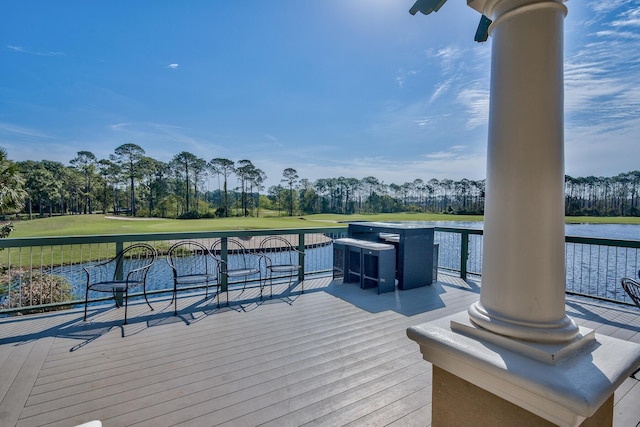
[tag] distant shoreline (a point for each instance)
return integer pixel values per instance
(130, 218)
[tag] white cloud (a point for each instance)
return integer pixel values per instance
(403, 75)
(602, 97)
(118, 126)
(162, 141)
(274, 140)
(600, 79)
(19, 131)
(601, 149)
(425, 121)
(465, 80)
(604, 7)
(453, 165)
(453, 152)
(16, 48)
(475, 100)
(620, 34)
(449, 57)
(441, 88)
(628, 18)
(33, 52)
(173, 66)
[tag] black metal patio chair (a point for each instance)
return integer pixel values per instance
(632, 288)
(281, 260)
(127, 270)
(241, 263)
(193, 267)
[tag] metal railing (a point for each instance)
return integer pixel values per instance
(41, 265)
(594, 266)
(47, 273)
(460, 250)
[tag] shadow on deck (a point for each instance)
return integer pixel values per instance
(335, 355)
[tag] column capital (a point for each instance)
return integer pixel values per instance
(495, 8)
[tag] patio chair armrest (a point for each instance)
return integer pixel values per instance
(132, 274)
(97, 272)
(262, 257)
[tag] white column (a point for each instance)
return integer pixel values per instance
(523, 270)
(517, 342)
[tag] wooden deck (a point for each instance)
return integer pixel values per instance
(335, 355)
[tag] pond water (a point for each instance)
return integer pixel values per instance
(590, 269)
(603, 231)
(321, 258)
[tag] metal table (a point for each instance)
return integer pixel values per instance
(414, 252)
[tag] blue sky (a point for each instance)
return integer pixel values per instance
(330, 88)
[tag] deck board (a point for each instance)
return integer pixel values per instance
(349, 406)
(335, 355)
(626, 411)
(13, 359)
(25, 376)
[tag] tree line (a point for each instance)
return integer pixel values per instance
(603, 196)
(130, 183)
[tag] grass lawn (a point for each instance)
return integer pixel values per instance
(76, 225)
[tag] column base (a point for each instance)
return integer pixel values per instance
(547, 352)
(565, 391)
(560, 331)
(456, 402)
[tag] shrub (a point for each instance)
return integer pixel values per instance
(208, 215)
(189, 215)
(36, 289)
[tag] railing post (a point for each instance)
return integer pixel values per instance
(301, 256)
(224, 255)
(464, 254)
(119, 295)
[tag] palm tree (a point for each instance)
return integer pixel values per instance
(12, 193)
